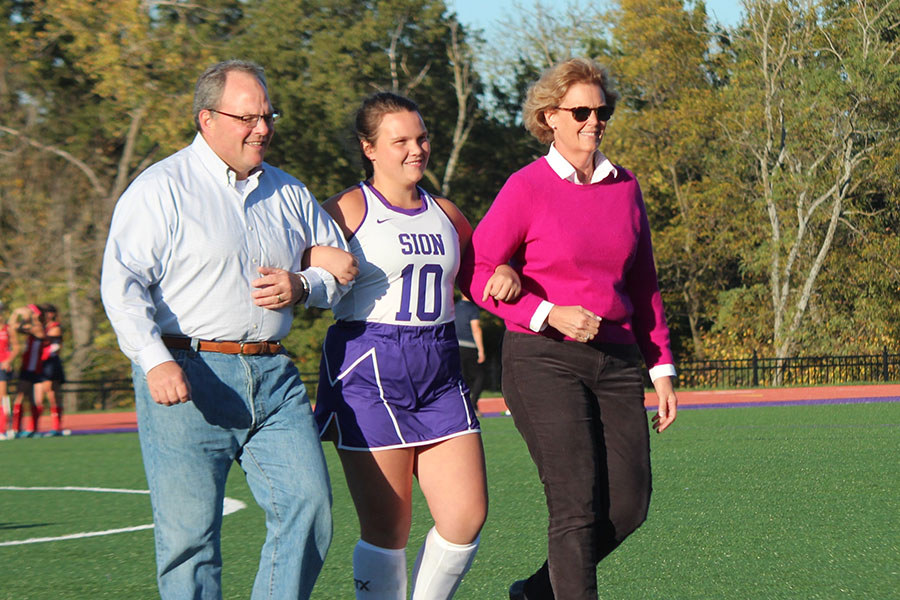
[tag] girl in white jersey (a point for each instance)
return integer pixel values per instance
(391, 395)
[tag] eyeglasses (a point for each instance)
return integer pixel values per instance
(581, 113)
(250, 121)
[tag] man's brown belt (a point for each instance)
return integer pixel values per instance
(183, 343)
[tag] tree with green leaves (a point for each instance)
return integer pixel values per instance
(101, 91)
(323, 57)
(813, 114)
(665, 130)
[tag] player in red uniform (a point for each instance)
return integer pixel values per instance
(52, 373)
(28, 320)
(9, 350)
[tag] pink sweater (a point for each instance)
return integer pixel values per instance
(585, 245)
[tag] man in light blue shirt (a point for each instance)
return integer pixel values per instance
(202, 268)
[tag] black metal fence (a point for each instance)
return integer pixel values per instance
(99, 394)
(737, 373)
(801, 370)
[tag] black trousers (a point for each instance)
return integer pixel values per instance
(580, 409)
(472, 372)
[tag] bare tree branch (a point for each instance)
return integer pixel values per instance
(392, 56)
(462, 85)
(82, 166)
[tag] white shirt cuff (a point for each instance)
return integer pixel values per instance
(662, 371)
(539, 318)
(318, 293)
(153, 355)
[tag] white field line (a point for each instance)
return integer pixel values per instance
(231, 505)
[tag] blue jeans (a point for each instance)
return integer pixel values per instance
(255, 410)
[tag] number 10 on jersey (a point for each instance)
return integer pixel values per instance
(428, 278)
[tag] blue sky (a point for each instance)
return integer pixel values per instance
(484, 13)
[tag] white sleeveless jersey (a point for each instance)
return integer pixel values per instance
(408, 260)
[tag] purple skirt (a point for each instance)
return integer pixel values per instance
(392, 386)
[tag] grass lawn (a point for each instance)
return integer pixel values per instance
(749, 503)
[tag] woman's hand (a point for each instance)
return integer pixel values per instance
(340, 263)
(668, 404)
(575, 322)
(504, 285)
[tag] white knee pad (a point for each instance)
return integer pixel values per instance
(379, 573)
(440, 567)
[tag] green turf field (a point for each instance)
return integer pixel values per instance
(749, 503)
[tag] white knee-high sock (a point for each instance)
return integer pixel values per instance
(379, 573)
(440, 567)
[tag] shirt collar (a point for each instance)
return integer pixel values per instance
(603, 168)
(218, 167)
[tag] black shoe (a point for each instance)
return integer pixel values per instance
(517, 590)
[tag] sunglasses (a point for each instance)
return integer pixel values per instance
(581, 113)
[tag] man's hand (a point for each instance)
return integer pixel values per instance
(167, 384)
(575, 322)
(340, 263)
(276, 288)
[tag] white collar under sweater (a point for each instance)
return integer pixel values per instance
(602, 166)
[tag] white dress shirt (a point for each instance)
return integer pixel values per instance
(185, 243)
(603, 168)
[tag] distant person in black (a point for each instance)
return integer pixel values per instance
(471, 348)
(52, 373)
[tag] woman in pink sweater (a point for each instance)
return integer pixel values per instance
(574, 226)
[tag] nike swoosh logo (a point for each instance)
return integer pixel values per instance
(380, 221)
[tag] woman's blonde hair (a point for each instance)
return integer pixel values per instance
(554, 83)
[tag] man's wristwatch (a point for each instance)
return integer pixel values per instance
(305, 284)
